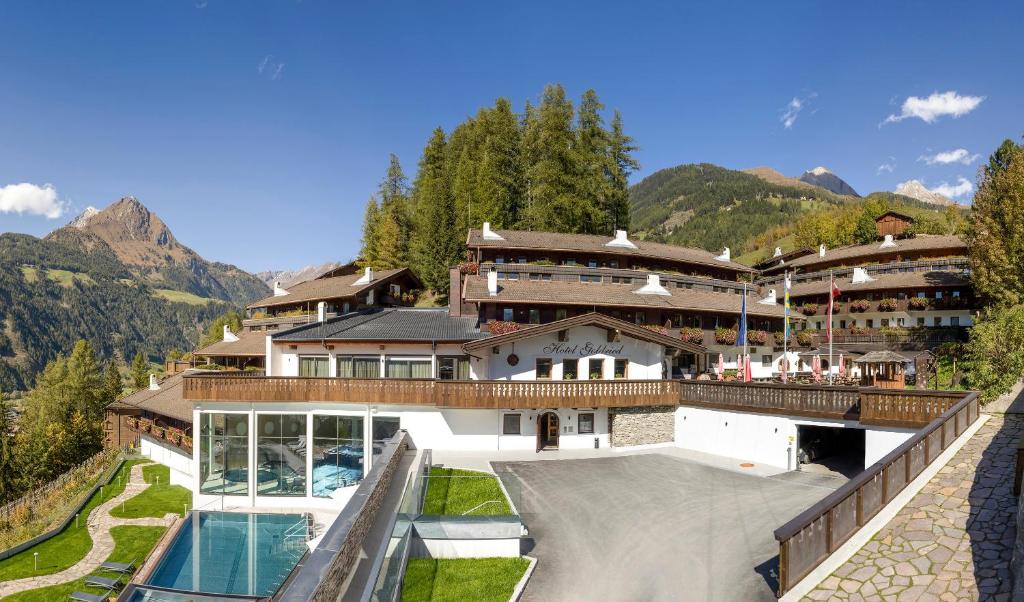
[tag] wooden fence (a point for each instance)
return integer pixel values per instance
(807, 540)
(44, 495)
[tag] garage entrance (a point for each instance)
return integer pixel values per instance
(829, 449)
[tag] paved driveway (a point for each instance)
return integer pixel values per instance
(653, 527)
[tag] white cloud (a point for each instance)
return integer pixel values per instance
(937, 105)
(31, 199)
(960, 155)
(888, 167)
(271, 68)
(963, 186)
(793, 108)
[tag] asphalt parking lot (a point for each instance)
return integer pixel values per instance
(653, 527)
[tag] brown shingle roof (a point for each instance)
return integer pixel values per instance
(249, 344)
(553, 241)
(605, 295)
(336, 287)
(166, 401)
(902, 280)
(951, 244)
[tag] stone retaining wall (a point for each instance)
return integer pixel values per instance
(642, 425)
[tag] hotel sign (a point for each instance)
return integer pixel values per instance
(584, 349)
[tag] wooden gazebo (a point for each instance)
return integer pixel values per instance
(886, 369)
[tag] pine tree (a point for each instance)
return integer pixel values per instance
(85, 382)
(9, 469)
(592, 146)
(499, 176)
(554, 174)
(436, 243)
(139, 371)
(391, 232)
(464, 191)
(994, 236)
(621, 148)
(368, 252)
(112, 383)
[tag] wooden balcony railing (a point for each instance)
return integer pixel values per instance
(769, 398)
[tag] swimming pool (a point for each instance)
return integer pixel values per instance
(232, 553)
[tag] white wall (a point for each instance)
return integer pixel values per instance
(179, 462)
(465, 548)
(817, 322)
(878, 442)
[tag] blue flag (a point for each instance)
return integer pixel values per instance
(741, 334)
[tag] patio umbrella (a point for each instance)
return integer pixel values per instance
(816, 368)
(747, 377)
(720, 368)
(784, 364)
(842, 366)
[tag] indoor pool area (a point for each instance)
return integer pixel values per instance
(232, 553)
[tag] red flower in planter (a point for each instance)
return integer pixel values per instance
(501, 327)
(809, 309)
(887, 304)
(757, 337)
(692, 335)
(725, 336)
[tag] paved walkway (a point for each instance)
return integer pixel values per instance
(99, 525)
(953, 541)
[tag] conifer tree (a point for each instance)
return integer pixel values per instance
(8, 459)
(499, 176)
(994, 236)
(112, 383)
(391, 231)
(621, 149)
(139, 371)
(368, 250)
(436, 243)
(85, 382)
(464, 190)
(554, 173)
(593, 145)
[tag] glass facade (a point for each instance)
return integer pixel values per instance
(281, 454)
(408, 368)
(224, 454)
(453, 367)
(358, 367)
(337, 453)
(316, 366)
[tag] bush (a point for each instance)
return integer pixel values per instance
(692, 335)
(809, 309)
(995, 352)
(860, 305)
(887, 304)
(725, 336)
(917, 303)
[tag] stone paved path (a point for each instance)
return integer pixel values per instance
(99, 525)
(953, 541)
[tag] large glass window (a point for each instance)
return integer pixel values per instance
(337, 453)
(281, 454)
(408, 368)
(453, 368)
(586, 424)
(358, 367)
(384, 428)
(314, 365)
(224, 453)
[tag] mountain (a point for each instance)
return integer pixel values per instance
(140, 240)
(916, 190)
(292, 277)
(819, 176)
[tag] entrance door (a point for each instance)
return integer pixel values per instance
(547, 431)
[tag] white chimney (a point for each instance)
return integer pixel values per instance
(887, 242)
(366, 278)
(492, 283)
(153, 385)
(229, 337)
(621, 240)
(770, 299)
(278, 291)
(653, 286)
(321, 311)
(860, 276)
(778, 252)
(725, 256)
(489, 234)
(821, 250)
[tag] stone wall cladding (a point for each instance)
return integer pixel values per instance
(642, 425)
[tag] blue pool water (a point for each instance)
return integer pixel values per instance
(328, 477)
(232, 553)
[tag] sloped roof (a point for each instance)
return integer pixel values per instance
(901, 280)
(589, 319)
(387, 324)
(166, 401)
(335, 287)
(249, 344)
(553, 241)
(613, 295)
(882, 356)
(922, 242)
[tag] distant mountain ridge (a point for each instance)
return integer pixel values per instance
(916, 190)
(292, 277)
(821, 176)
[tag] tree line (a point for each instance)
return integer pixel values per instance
(553, 167)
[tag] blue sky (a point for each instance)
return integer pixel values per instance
(257, 130)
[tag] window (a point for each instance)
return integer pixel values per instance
(534, 276)
(956, 294)
(570, 369)
(938, 321)
(453, 368)
(512, 275)
(507, 314)
(938, 295)
(954, 320)
(383, 428)
(395, 290)
(315, 366)
(766, 361)
(521, 259)
(543, 368)
(595, 278)
(870, 323)
(511, 424)
(640, 318)
(407, 368)
(885, 322)
(842, 323)
(534, 316)
(899, 321)
(591, 263)
(587, 423)
(622, 280)
(920, 321)
(560, 314)
(358, 367)
(595, 368)
(499, 259)
(621, 368)
(280, 454)
(224, 453)
(337, 453)
(921, 295)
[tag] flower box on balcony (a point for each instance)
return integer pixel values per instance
(725, 336)
(859, 305)
(173, 435)
(809, 309)
(806, 338)
(145, 425)
(917, 303)
(858, 330)
(133, 424)
(501, 327)
(757, 337)
(469, 268)
(692, 335)
(156, 431)
(656, 328)
(186, 442)
(887, 304)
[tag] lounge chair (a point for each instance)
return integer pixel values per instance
(103, 582)
(84, 597)
(125, 568)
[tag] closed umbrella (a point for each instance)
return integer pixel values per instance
(747, 377)
(720, 368)
(784, 364)
(816, 368)
(842, 366)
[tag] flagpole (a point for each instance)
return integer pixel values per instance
(785, 326)
(743, 317)
(831, 302)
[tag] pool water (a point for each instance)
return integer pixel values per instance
(232, 553)
(329, 477)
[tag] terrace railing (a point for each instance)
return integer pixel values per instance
(770, 398)
(807, 540)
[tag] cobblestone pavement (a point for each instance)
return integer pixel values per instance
(953, 540)
(99, 525)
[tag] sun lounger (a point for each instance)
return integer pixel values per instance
(124, 568)
(103, 582)
(84, 597)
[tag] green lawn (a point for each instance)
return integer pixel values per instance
(457, 580)
(160, 499)
(455, 491)
(131, 543)
(182, 297)
(70, 545)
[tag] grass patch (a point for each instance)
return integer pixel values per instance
(67, 279)
(455, 491)
(130, 543)
(30, 274)
(182, 297)
(454, 580)
(70, 545)
(160, 499)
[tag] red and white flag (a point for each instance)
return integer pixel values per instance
(834, 293)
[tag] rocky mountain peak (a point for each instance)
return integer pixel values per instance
(83, 218)
(818, 171)
(821, 176)
(915, 189)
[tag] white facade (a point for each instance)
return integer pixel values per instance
(171, 456)
(894, 319)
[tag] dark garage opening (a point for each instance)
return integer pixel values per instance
(830, 449)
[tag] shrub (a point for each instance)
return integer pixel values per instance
(757, 337)
(860, 305)
(887, 304)
(501, 326)
(692, 335)
(809, 309)
(995, 352)
(725, 336)
(917, 303)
